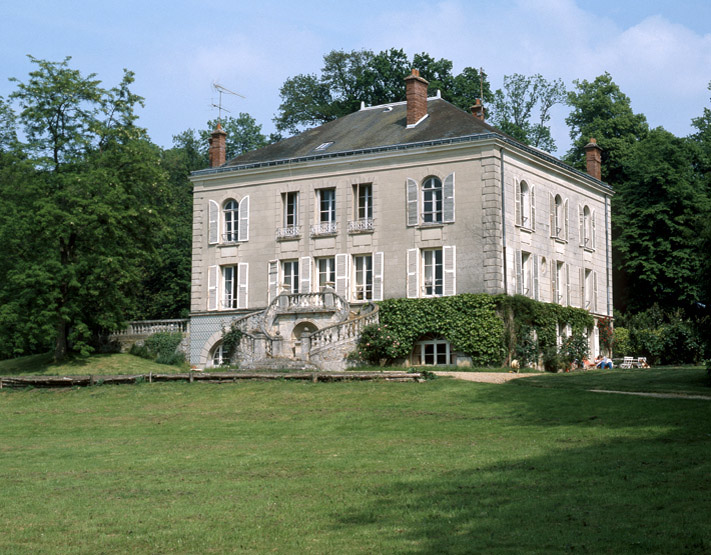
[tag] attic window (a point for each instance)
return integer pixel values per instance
(324, 146)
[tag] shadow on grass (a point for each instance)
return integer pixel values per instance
(587, 474)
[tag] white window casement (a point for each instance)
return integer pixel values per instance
(236, 221)
(326, 272)
(431, 203)
(527, 268)
(525, 206)
(217, 357)
(326, 218)
(559, 218)
(362, 277)
(290, 276)
(586, 227)
(363, 208)
(290, 221)
(230, 212)
(560, 283)
(232, 290)
(588, 289)
(431, 272)
(432, 351)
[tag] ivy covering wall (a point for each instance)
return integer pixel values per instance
(491, 329)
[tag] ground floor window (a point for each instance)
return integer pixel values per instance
(290, 274)
(217, 357)
(432, 351)
(363, 268)
(432, 273)
(326, 273)
(229, 279)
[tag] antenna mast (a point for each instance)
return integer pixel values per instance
(220, 89)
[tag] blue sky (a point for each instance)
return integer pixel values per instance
(659, 53)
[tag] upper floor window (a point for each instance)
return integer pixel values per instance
(588, 292)
(559, 217)
(525, 206)
(587, 227)
(363, 208)
(290, 221)
(326, 219)
(432, 273)
(432, 202)
(231, 216)
(560, 283)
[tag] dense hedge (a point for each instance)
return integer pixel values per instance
(490, 329)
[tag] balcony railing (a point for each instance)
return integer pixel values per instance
(324, 228)
(360, 226)
(288, 232)
(231, 237)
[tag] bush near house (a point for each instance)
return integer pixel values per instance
(161, 347)
(491, 329)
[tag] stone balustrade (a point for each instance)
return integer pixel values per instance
(149, 327)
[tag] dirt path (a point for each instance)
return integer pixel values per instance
(485, 377)
(657, 395)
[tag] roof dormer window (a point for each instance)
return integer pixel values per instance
(324, 146)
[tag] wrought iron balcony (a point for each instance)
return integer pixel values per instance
(288, 232)
(360, 226)
(324, 228)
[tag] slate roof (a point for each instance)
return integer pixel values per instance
(372, 127)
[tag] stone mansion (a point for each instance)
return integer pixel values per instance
(295, 240)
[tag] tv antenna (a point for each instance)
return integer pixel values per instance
(220, 89)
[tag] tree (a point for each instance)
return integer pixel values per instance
(349, 78)
(78, 221)
(515, 104)
(602, 111)
(658, 218)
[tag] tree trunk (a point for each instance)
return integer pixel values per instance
(60, 348)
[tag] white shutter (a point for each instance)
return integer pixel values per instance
(413, 285)
(581, 224)
(517, 204)
(552, 215)
(378, 276)
(273, 279)
(213, 216)
(592, 227)
(342, 275)
(567, 284)
(305, 269)
(536, 293)
(593, 308)
(519, 273)
(448, 204)
(566, 210)
(243, 276)
(413, 216)
(244, 219)
(533, 207)
(581, 274)
(554, 281)
(450, 270)
(212, 288)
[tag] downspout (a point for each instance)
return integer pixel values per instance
(503, 218)
(608, 271)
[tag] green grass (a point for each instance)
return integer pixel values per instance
(362, 467)
(97, 365)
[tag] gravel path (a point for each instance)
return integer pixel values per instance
(485, 377)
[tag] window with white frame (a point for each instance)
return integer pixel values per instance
(230, 213)
(230, 281)
(559, 218)
(587, 227)
(363, 277)
(363, 208)
(217, 357)
(432, 351)
(526, 274)
(525, 206)
(432, 273)
(560, 283)
(432, 200)
(290, 220)
(589, 289)
(290, 276)
(326, 212)
(326, 272)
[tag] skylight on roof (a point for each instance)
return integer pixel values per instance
(324, 146)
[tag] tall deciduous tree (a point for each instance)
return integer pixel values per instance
(523, 108)
(81, 222)
(601, 110)
(349, 78)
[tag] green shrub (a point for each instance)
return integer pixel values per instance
(575, 349)
(161, 347)
(621, 346)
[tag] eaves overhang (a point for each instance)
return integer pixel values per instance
(479, 137)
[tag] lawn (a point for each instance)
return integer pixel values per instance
(354, 467)
(97, 365)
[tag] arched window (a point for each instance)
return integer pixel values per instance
(231, 217)
(559, 218)
(432, 200)
(217, 356)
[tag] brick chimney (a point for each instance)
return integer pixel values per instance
(217, 151)
(478, 110)
(593, 158)
(416, 93)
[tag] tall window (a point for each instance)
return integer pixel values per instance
(231, 213)
(525, 199)
(587, 228)
(327, 206)
(364, 201)
(229, 281)
(558, 218)
(527, 274)
(432, 200)
(290, 274)
(363, 268)
(432, 273)
(291, 206)
(326, 272)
